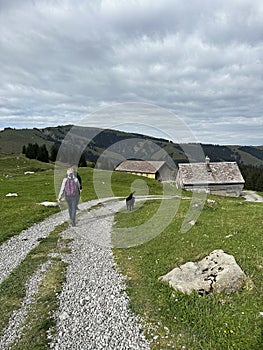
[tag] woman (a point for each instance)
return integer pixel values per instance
(70, 187)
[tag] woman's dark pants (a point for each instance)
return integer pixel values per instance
(72, 207)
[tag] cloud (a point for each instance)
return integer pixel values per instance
(63, 60)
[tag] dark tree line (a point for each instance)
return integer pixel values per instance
(54, 151)
(253, 177)
(34, 151)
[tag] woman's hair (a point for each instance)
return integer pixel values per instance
(70, 171)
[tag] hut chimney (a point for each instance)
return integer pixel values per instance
(207, 162)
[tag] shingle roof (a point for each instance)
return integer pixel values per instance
(140, 166)
(214, 173)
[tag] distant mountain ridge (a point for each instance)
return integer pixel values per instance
(12, 141)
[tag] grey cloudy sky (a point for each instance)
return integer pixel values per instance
(195, 62)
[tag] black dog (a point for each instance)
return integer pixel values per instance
(130, 200)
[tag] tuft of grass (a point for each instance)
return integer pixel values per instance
(176, 320)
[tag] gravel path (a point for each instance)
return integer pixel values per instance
(93, 312)
(13, 251)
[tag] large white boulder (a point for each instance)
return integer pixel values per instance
(216, 273)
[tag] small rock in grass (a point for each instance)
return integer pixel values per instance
(48, 204)
(11, 195)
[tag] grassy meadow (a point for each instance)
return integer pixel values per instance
(213, 322)
(31, 189)
(177, 321)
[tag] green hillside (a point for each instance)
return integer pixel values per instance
(95, 141)
(12, 140)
